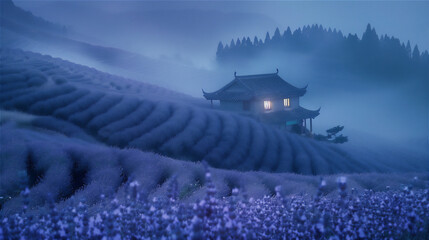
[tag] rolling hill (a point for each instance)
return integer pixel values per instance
(126, 114)
(73, 167)
(85, 154)
(23, 30)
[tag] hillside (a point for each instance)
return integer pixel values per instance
(125, 114)
(25, 31)
(101, 137)
(10, 13)
(93, 79)
(61, 167)
(58, 120)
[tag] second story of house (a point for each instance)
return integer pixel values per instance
(257, 94)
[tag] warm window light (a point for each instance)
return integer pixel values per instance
(286, 102)
(267, 105)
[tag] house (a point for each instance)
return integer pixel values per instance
(268, 98)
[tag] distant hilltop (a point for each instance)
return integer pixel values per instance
(13, 17)
(330, 49)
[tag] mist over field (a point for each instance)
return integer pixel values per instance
(173, 44)
(102, 120)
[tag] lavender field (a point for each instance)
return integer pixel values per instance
(67, 170)
(217, 120)
(350, 215)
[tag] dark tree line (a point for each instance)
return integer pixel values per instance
(331, 49)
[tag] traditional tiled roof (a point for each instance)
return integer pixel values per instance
(289, 115)
(255, 86)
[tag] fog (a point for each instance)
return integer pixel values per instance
(394, 111)
(173, 44)
(190, 30)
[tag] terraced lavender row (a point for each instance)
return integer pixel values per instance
(61, 71)
(368, 215)
(59, 167)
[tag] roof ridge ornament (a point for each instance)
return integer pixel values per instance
(235, 74)
(277, 70)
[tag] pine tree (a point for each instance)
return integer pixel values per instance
(369, 36)
(232, 44)
(334, 131)
(219, 48)
(255, 41)
(370, 48)
(238, 43)
(248, 41)
(416, 53)
(277, 34)
(297, 32)
(267, 38)
(287, 34)
(408, 48)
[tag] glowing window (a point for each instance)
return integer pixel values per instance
(286, 102)
(267, 105)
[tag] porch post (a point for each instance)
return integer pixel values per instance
(311, 125)
(302, 126)
(211, 103)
